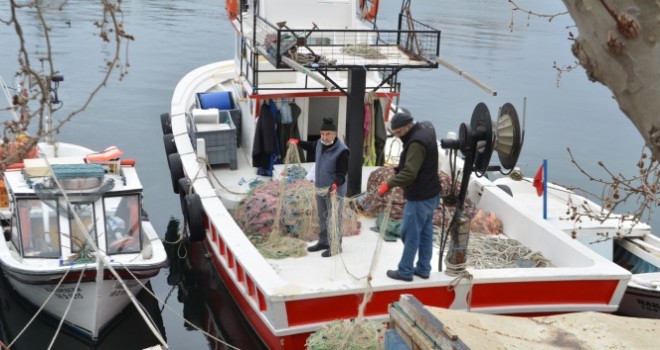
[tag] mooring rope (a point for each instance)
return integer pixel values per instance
(41, 307)
(169, 308)
(68, 307)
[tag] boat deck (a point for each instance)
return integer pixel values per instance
(350, 268)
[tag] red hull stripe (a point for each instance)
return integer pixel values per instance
(559, 292)
(326, 309)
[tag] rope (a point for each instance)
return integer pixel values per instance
(68, 307)
(456, 281)
(165, 305)
(41, 307)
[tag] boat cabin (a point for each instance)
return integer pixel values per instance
(54, 205)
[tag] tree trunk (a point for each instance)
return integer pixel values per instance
(617, 47)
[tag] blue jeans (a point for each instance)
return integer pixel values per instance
(417, 235)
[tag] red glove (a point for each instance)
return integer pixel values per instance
(296, 141)
(332, 189)
(383, 188)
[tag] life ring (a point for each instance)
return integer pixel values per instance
(196, 228)
(232, 8)
(170, 146)
(166, 123)
(176, 170)
(184, 189)
(368, 9)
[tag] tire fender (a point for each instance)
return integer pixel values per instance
(176, 170)
(166, 123)
(170, 146)
(196, 227)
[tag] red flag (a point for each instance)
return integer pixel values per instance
(538, 181)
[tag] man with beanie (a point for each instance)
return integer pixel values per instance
(330, 170)
(417, 174)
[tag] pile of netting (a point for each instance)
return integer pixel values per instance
(366, 51)
(499, 252)
(280, 216)
(373, 204)
(359, 334)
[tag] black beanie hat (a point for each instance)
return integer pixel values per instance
(328, 125)
(400, 119)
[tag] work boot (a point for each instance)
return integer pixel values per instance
(394, 274)
(318, 246)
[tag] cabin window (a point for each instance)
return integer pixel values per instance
(122, 224)
(85, 212)
(39, 228)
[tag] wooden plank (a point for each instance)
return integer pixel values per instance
(419, 328)
(583, 330)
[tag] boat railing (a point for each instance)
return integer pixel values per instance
(340, 49)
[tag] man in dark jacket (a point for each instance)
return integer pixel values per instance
(417, 174)
(330, 170)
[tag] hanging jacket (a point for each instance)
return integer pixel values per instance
(264, 138)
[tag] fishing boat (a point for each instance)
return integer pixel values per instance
(77, 240)
(630, 244)
(319, 59)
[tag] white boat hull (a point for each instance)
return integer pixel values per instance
(642, 298)
(94, 304)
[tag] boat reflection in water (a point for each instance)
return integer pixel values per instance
(16, 312)
(207, 304)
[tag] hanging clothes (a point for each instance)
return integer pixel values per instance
(290, 130)
(285, 112)
(264, 144)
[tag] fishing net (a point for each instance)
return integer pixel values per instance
(499, 252)
(280, 216)
(373, 204)
(353, 334)
(487, 223)
(363, 50)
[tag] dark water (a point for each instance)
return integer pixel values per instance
(173, 37)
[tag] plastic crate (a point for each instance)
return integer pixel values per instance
(223, 101)
(219, 134)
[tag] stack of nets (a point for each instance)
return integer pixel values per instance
(353, 334)
(374, 204)
(296, 209)
(255, 214)
(497, 252)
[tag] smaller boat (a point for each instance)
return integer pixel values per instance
(77, 240)
(77, 230)
(630, 245)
